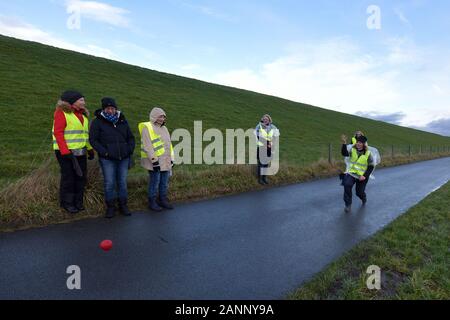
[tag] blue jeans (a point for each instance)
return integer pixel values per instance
(159, 181)
(115, 174)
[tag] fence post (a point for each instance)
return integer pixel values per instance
(410, 151)
(330, 155)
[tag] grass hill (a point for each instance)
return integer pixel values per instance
(33, 75)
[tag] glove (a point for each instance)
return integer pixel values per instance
(91, 154)
(173, 164)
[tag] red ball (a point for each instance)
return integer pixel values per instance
(106, 245)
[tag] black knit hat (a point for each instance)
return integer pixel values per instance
(362, 139)
(71, 96)
(108, 102)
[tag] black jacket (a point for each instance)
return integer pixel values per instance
(113, 142)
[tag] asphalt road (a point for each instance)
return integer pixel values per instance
(257, 245)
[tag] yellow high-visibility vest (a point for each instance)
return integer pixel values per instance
(76, 133)
(157, 143)
(268, 136)
(359, 165)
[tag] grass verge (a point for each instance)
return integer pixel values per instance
(413, 253)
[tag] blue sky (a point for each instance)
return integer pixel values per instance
(318, 52)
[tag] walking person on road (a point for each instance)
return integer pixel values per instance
(111, 137)
(360, 168)
(157, 157)
(72, 149)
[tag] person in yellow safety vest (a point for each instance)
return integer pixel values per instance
(361, 167)
(157, 157)
(72, 147)
(265, 133)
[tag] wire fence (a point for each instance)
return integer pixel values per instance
(332, 152)
(302, 154)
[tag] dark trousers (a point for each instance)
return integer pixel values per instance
(71, 188)
(349, 182)
(263, 163)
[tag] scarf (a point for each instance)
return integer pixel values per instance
(111, 118)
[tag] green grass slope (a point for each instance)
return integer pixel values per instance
(32, 77)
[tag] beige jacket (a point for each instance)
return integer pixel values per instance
(165, 161)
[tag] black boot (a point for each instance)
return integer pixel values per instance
(164, 202)
(67, 203)
(264, 179)
(258, 173)
(110, 210)
(79, 197)
(260, 180)
(260, 177)
(123, 207)
(152, 205)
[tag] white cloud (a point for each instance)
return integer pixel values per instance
(99, 11)
(439, 126)
(403, 51)
(16, 28)
(437, 89)
(328, 74)
(394, 118)
(400, 78)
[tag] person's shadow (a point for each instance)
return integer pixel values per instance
(351, 224)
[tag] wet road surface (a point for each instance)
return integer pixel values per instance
(257, 245)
